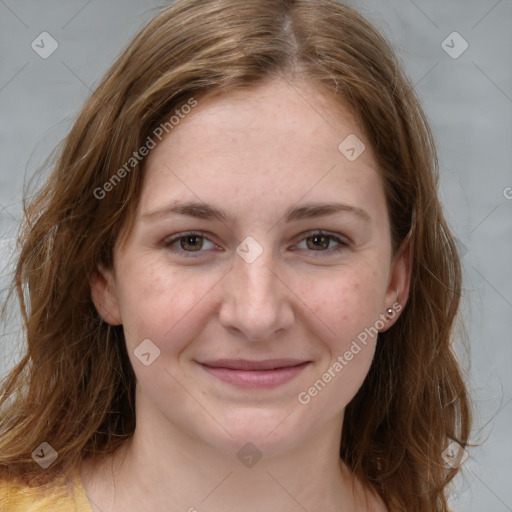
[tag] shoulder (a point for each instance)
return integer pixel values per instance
(18, 497)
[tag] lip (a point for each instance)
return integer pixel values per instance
(268, 373)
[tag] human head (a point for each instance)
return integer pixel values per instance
(264, 161)
(387, 436)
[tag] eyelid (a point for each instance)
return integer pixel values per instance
(342, 241)
(337, 236)
(169, 241)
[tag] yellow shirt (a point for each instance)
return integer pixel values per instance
(15, 497)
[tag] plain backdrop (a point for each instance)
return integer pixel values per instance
(468, 99)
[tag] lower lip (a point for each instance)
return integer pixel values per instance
(256, 379)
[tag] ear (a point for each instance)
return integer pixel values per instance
(104, 297)
(397, 292)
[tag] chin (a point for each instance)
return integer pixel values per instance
(270, 431)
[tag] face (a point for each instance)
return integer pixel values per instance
(258, 270)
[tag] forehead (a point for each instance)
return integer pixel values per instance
(270, 144)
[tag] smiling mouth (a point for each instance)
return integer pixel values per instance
(255, 374)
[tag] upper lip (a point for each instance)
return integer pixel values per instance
(244, 364)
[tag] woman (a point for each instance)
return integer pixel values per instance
(241, 286)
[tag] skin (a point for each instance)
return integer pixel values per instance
(253, 153)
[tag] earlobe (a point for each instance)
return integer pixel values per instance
(104, 297)
(399, 284)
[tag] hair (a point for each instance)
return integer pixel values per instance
(74, 387)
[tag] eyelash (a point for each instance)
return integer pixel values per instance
(169, 242)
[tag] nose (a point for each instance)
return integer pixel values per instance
(256, 302)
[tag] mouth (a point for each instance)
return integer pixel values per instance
(248, 374)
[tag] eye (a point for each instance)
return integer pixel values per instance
(320, 241)
(194, 242)
(187, 242)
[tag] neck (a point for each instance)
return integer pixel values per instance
(163, 469)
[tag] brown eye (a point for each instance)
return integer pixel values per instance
(321, 242)
(191, 242)
(188, 243)
(318, 242)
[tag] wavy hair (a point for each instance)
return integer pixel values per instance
(74, 387)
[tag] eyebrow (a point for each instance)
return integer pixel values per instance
(201, 210)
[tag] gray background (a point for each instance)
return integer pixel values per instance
(468, 100)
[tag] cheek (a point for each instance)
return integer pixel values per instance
(348, 305)
(347, 300)
(163, 305)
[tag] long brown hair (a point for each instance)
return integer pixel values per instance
(74, 387)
